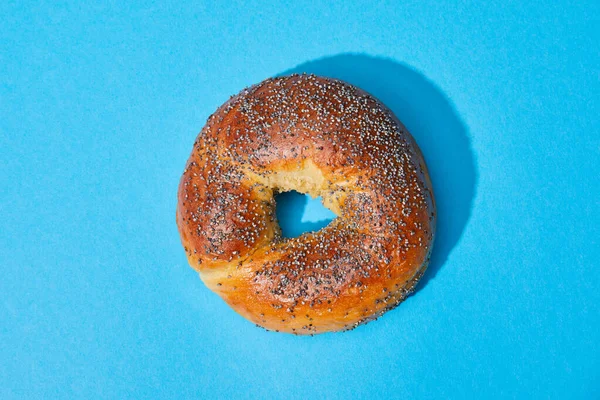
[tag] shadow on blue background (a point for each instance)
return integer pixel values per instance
(434, 123)
(291, 208)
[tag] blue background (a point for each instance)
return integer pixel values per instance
(99, 108)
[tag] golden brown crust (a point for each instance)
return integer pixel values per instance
(327, 138)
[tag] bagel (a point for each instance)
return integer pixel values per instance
(322, 137)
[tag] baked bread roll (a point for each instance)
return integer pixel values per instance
(322, 137)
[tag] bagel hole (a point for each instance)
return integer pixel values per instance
(298, 213)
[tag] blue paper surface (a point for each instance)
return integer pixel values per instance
(100, 106)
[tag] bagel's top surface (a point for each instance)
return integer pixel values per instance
(326, 138)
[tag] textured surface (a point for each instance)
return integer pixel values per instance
(329, 139)
(99, 107)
